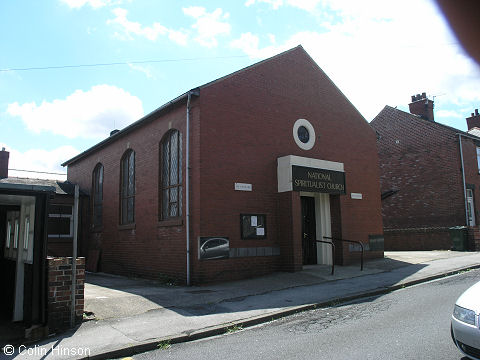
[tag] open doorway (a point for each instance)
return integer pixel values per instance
(316, 223)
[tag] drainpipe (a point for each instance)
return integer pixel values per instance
(195, 92)
(463, 179)
(74, 257)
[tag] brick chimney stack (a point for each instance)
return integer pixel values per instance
(422, 106)
(474, 120)
(4, 155)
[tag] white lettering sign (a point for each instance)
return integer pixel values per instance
(243, 187)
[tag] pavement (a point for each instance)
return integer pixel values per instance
(130, 316)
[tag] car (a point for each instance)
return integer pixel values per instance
(465, 324)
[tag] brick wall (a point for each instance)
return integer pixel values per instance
(240, 125)
(474, 238)
(417, 239)
(420, 160)
(60, 291)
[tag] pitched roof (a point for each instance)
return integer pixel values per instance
(399, 115)
(61, 187)
(474, 131)
(167, 106)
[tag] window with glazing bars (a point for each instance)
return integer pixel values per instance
(127, 188)
(171, 175)
(97, 195)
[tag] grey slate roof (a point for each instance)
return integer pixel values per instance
(61, 187)
(474, 131)
(391, 112)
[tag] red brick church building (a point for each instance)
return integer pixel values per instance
(236, 178)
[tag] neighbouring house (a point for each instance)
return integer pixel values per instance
(236, 178)
(35, 221)
(429, 176)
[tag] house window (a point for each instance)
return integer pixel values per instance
(97, 195)
(478, 159)
(9, 234)
(470, 208)
(15, 238)
(60, 221)
(171, 175)
(26, 233)
(127, 188)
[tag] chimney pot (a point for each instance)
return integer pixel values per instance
(4, 155)
(422, 106)
(473, 120)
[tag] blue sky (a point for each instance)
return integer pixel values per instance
(377, 52)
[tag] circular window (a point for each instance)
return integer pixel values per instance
(304, 134)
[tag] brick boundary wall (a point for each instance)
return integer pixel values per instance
(60, 291)
(474, 238)
(417, 239)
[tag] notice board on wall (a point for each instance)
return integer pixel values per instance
(253, 226)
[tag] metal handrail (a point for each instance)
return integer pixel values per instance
(350, 241)
(333, 252)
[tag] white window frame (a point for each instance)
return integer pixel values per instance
(26, 234)
(70, 216)
(9, 234)
(478, 159)
(15, 237)
(470, 208)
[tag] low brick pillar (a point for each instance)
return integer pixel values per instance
(60, 292)
(474, 238)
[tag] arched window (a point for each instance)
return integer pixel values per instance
(97, 195)
(127, 188)
(171, 175)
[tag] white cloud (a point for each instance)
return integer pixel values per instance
(250, 44)
(449, 114)
(307, 5)
(274, 3)
(150, 32)
(77, 4)
(142, 69)
(381, 53)
(39, 160)
(83, 114)
(208, 25)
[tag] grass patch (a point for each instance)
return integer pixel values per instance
(234, 328)
(164, 345)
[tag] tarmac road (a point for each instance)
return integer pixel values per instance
(411, 323)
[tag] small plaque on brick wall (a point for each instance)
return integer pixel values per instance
(243, 187)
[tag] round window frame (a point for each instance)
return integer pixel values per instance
(311, 132)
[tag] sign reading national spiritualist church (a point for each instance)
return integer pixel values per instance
(318, 180)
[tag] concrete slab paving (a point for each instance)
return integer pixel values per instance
(135, 315)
